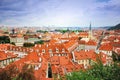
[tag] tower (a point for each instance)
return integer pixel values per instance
(13, 31)
(90, 31)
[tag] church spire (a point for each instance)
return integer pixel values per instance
(90, 27)
(90, 31)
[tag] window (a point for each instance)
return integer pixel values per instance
(57, 50)
(82, 60)
(31, 50)
(50, 50)
(43, 50)
(63, 50)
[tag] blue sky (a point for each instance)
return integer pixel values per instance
(59, 12)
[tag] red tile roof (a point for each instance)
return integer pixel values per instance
(82, 42)
(91, 42)
(5, 55)
(83, 34)
(106, 47)
(89, 54)
(85, 54)
(71, 45)
(34, 59)
(62, 65)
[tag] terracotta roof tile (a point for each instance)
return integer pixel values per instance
(106, 47)
(91, 42)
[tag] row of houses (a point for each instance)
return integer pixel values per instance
(62, 57)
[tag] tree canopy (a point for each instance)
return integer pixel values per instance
(116, 27)
(39, 42)
(28, 45)
(97, 72)
(4, 39)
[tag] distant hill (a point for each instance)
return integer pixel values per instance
(115, 27)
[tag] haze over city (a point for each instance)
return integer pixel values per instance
(59, 12)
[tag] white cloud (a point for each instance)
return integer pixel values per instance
(62, 12)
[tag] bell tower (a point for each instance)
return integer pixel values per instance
(90, 31)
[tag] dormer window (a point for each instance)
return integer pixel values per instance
(63, 50)
(36, 67)
(31, 50)
(57, 50)
(43, 50)
(8, 56)
(50, 50)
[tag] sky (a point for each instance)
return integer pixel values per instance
(56, 13)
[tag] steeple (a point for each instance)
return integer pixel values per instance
(90, 27)
(13, 31)
(90, 31)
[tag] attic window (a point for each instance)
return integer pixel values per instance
(63, 50)
(50, 50)
(31, 50)
(57, 50)
(43, 50)
(8, 56)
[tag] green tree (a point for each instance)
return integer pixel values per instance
(13, 43)
(9, 73)
(4, 75)
(49, 71)
(27, 73)
(116, 57)
(28, 45)
(41, 31)
(97, 72)
(4, 39)
(39, 42)
(12, 73)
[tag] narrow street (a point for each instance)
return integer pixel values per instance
(99, 43)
